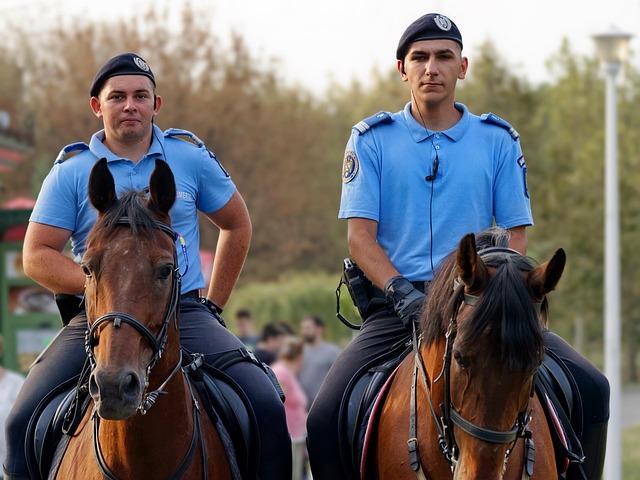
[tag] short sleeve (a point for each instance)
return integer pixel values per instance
(360, 180)
(215, 186)
(512, 205)
(57, 203)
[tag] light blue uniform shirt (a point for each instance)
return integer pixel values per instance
(201, 184)
(481, 178)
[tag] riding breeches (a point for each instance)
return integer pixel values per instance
(380, 333)
(199, 332)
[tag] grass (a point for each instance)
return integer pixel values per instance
(631, 454)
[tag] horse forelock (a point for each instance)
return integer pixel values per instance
(505, 312)
(131, 205)
(506, 315)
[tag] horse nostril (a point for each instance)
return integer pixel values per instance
(94, 390)
(130, 385)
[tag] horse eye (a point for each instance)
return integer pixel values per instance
(461, 360)
(165, 271)
(86, 270)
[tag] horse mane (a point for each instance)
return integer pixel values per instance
(132, 205)
(505, 311)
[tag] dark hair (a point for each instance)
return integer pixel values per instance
(317, 320)
(244, 313)
(286, 328)
(505, 309)
(271, 330)
(292, 348)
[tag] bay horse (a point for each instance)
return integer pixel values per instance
(145, 422)
(463, 406)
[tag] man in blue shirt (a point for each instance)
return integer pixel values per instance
(414, 183)
(123, 96)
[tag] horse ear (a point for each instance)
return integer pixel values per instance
(162, 188)
(471, 269)
(102, 189)
(545, 277)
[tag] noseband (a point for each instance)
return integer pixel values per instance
(157, 342)
(450, 415)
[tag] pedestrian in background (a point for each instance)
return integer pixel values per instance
(319, 355)
(286, 368)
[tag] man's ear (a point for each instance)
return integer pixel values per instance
(94, 103)
(157, 103)
(463, 68)
(400, 67)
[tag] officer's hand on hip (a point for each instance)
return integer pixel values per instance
(406, 299)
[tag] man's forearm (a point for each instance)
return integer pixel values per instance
(229, 258)
(54, 271)
(371, 259)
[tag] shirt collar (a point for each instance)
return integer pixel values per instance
(100, 150)
(420, 133)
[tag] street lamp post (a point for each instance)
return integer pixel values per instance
(612, 47)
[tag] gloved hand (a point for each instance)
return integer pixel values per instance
(215, 310)
(406, 299)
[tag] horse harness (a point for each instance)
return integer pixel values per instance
(158, 343)
(450, 416)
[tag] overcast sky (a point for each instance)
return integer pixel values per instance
(323, 40)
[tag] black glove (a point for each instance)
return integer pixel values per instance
(215, 310)
(406, 299)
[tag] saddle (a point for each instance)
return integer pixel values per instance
(359, 406)
(58, 415)
(562, 404)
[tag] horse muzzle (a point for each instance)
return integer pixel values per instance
(116, 394)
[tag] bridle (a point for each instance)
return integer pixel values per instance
(158, 343)
(449, 414)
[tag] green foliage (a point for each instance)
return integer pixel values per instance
(292, 297)
(631, 454)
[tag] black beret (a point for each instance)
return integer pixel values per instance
(431, 26)
(123, 64)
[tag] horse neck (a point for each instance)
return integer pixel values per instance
(164, 433)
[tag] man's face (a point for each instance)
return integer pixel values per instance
(432, 68)
(126, 106)
(308, 330)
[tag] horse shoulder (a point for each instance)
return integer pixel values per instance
(544, 467)
(76, 462)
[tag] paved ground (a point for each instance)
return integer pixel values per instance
(630, 407)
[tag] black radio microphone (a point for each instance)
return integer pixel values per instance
(434, 170)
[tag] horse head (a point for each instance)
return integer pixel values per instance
(492, 328)
(131, 290)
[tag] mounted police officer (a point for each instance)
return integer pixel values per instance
(123, 95)
(415, 182)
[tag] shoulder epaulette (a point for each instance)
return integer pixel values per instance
(496, 120)
(184, 135)
(71, 150)
(370, 122)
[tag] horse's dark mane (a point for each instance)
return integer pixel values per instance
(131, 204)
(505, 312)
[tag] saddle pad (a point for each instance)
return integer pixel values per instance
(373, 422)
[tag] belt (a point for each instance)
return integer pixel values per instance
(190, 294)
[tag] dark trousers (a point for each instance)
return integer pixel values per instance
(199, 332)
(380, 333)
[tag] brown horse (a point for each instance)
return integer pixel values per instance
(145, 422)
(463, 405)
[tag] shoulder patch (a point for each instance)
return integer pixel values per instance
(350, 166)
(496, 120)
(370, 122)
(71, 150)
(189, 137)
(184, 135)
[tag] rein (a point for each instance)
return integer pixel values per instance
(450, 416)
(158, 343)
